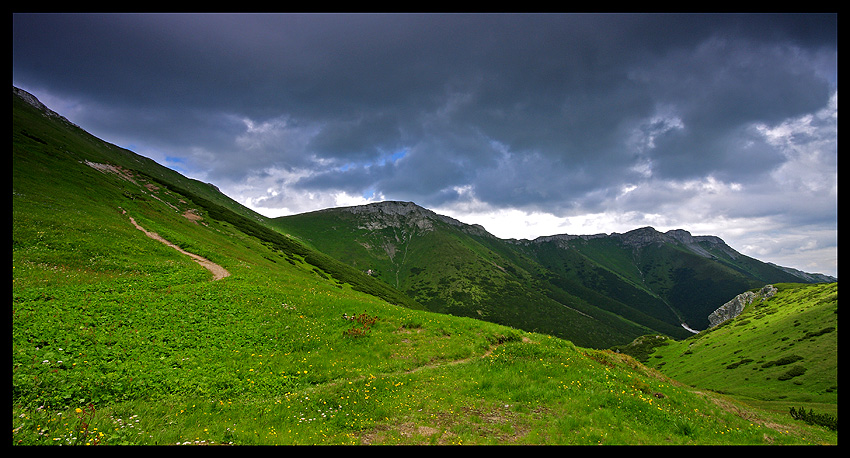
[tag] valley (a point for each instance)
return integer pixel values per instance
(385, 324)
(598, 291)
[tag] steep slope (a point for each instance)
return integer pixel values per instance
(599, 291)
(781, 348)
(66, 138)
(673, 276)
(59, 165)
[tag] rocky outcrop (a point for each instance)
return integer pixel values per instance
(393, 214)
(697, 244)
(640, 237)
(737, 305)
(400, 215)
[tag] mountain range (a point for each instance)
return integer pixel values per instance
(596, 290)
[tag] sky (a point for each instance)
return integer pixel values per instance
(528, 124)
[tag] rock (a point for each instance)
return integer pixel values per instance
(737, 305)
(405, 215)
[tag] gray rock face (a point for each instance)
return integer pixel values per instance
(737, 305)
(393, 214)
(640, 237)
(405, 215)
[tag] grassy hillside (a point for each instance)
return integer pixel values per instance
(120, 339)
(597, 291)
(780, 352)
(456, 269)
(603, 274)
(656, 279)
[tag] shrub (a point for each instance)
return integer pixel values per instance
(812, 418)
(793, 372)
(743, 361)
(782, 361)
(812, 335)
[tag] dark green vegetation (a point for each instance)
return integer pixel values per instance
(120, 339)
(812, 418)
(456, 269)
(597, 291)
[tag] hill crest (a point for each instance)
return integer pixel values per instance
(33, 100)
(399, 214)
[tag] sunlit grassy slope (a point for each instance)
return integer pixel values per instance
(120, 339)
(777, 352)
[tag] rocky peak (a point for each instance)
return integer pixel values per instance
(400, 215)
(641, 237)
(692, 243)
(644, 236)
(681, 235)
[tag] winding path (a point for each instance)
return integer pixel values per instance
(217, 271)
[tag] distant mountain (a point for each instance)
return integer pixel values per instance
(597, 290)
(807, 277)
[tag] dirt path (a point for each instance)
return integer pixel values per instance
(217, 271)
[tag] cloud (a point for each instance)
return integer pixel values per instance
(585, 121)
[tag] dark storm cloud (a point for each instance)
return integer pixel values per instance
(562, 113)
(563, 86)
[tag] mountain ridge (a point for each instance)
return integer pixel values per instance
(592, 289)
(638, 237)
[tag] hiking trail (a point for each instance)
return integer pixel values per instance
(217, 271)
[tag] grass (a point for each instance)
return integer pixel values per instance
(262, 357)
(119, 339)
(776, 353)
(153, 352)
(448, 270)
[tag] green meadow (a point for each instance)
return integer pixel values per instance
(779, 351)
(119, 339)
